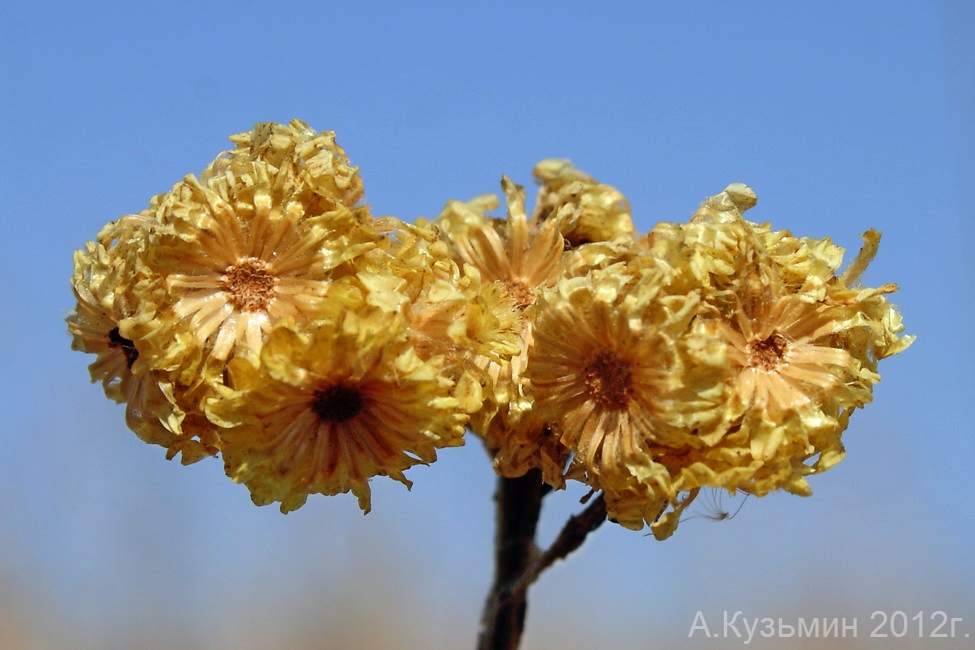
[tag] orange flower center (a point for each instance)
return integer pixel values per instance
(249, 283)
(116, 340)
(609, 379)
(337, 403)
(767, 354)
(520, 292)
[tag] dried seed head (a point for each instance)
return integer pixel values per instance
(250, 284)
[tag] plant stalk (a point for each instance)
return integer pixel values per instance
(518, 505)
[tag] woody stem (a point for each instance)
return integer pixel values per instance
(518, 504)
(519, 561)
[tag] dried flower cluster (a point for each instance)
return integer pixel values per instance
(260, 312)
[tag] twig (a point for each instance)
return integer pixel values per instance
(573, 534)
(519, 561)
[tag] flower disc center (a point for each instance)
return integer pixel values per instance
(520, 292)
(609, 379)
(337, 403)
(767, 354)
(249, 283)
(116, 340)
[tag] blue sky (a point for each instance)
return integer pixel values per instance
(842, 116)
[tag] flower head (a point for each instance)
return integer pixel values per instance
(232, 257)
(519, 253)
(310, 164)
(105, 272)
(608, 387)
(327, 409)
(165, 298)
(781, 350)
(522, 256)
(587, 211)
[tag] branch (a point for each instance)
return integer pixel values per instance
(519, 503)
(519, 562)
(573, 534)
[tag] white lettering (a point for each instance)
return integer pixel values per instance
(699, 624)
(831, 627)
(731, 624)
(811, 631)
(750, 629)
(783, 633)
(954, 619)
(902, 627)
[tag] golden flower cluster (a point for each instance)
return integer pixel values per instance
(259, 311)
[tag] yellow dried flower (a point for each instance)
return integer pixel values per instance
(586, 210)
(797, 341)
(603, 367)
(165, 298)
(329, 408)
(309, 163)
(520, 254)
(523, 256)
(105, 272)
(794, 346)
(453, 311)
(233, 257)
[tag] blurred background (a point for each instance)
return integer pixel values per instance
(842, 116)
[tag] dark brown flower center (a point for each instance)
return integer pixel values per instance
(116, 340)
(609, 379)
(768, 353)
(249, 284)
(337, 403)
